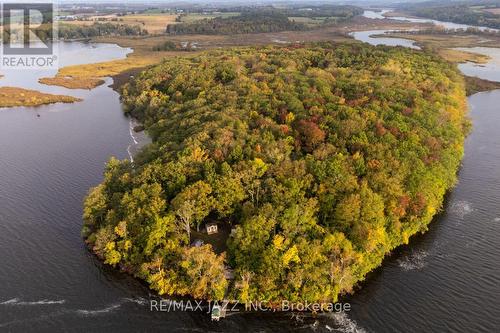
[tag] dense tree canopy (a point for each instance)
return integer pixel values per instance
(322, 157)
(249, 21)
(69, 31)
(338, 11)
(266, 19)
(72, 31)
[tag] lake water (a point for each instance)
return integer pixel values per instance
(446, 25)
(367, 36)
(376, 14)
(445, 280)
(489, 71)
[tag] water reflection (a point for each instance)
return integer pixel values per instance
(369, 37)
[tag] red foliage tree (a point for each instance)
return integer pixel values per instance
(310, 134)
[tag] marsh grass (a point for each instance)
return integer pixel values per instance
(13, 96)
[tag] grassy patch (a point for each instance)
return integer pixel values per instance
(188, 18)
(154, 23)
(71, 82)
(463, 56)
(12, 96)
(309, 21)
(111, 68)
(495, 11)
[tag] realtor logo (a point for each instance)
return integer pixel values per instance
(28, 35)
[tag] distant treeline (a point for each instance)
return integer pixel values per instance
(463, 14)
(68, 31)
(295, 10)
(251, 21)
(438, 30)
(266, 19)
(345, 12)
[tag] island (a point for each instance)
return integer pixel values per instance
(279, 173)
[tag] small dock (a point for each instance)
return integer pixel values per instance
(219, 311)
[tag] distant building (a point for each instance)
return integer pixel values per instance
(66, 18)
(212, 228)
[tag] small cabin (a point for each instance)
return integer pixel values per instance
(197, 243)
(228, 273)
(212, 228)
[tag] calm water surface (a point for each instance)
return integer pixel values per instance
(368, 36)
(446, 25)
(445, 280)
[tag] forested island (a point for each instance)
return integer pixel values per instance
(320, 158)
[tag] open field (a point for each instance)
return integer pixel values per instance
(462, 56)
(495, 11)
(153, 23)
(309, 21)
(188, 18)
(12, 96)
(77, 22)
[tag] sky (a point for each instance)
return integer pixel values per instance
(152, 2)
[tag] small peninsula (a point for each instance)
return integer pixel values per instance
(14, 96)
